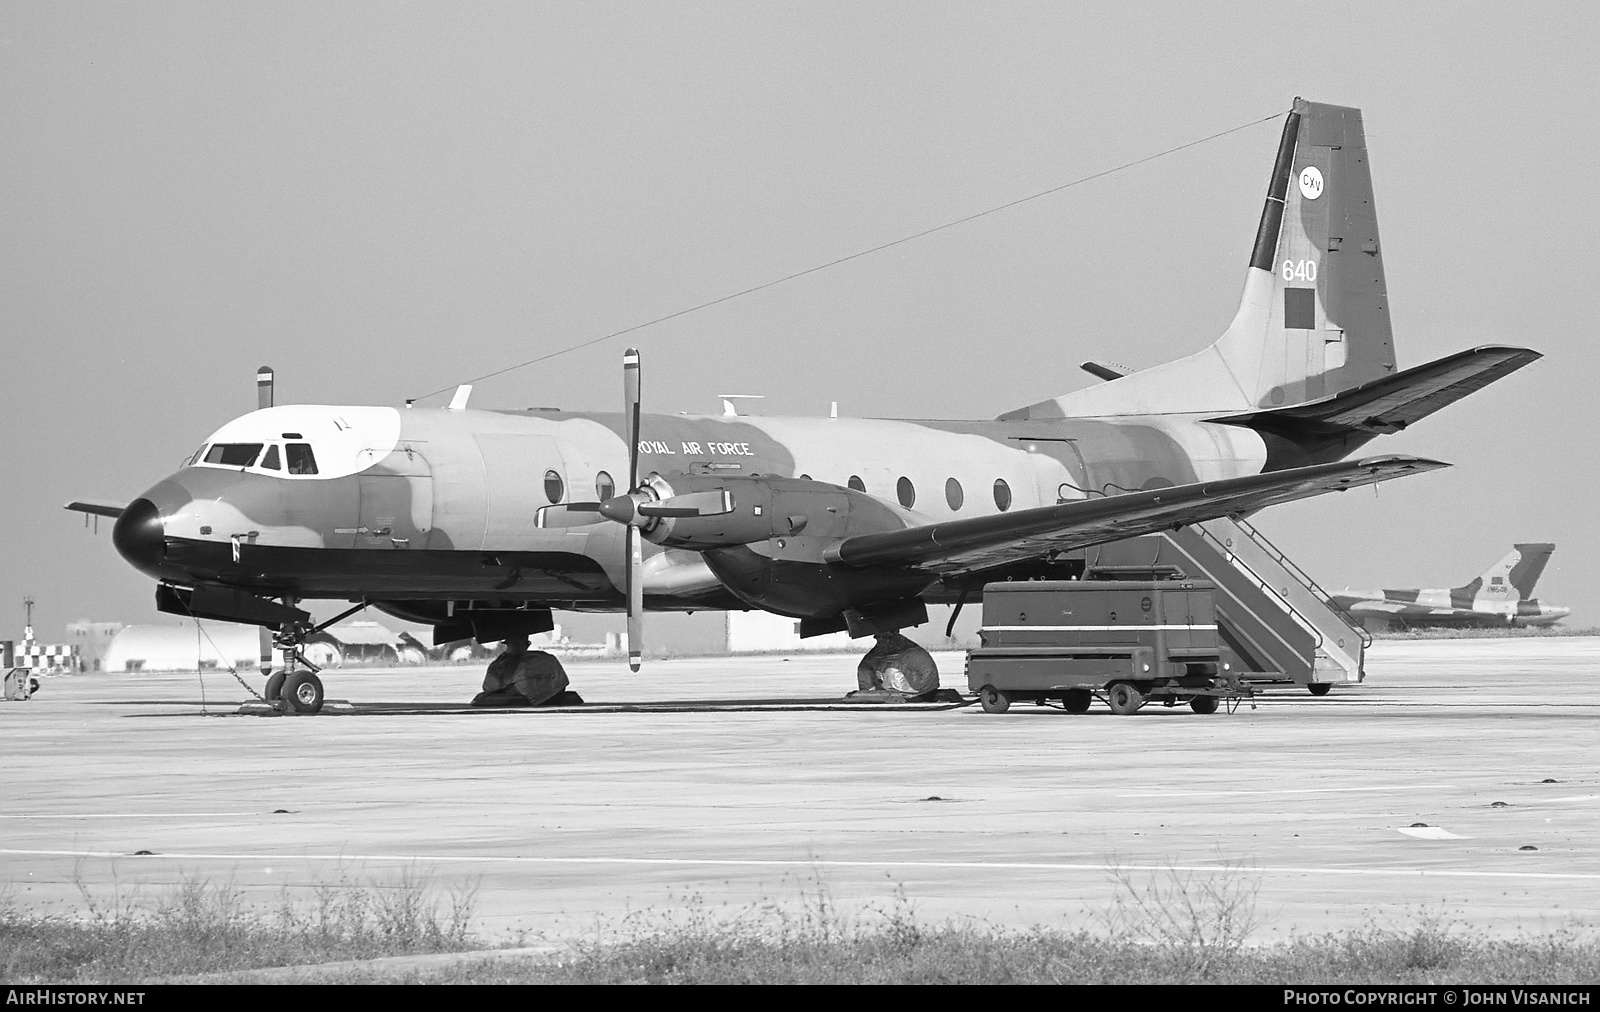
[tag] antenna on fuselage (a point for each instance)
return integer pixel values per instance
(729, 408)
(264, 387)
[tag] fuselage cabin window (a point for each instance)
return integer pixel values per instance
(953, 493)
(1002, 494)
(905, 492)
(856, 483)
(604, 487)
(554, 487)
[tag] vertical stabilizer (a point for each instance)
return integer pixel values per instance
(1512, 578)
(1314, 316)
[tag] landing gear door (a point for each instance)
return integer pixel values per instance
(396, 502)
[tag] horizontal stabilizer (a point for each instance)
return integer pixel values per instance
(1392, 403)
(984, 542)
(99, 509)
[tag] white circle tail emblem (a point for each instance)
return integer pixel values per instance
(1311, 182)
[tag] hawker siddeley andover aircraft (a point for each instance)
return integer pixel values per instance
(480, 522)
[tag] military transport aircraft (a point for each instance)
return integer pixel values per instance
(1502, 596)
(480, 522)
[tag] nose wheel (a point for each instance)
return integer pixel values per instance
(302, 690)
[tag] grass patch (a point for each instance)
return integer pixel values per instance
(1163, 928)
(200, 927)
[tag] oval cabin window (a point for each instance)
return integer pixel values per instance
(856, 483)
(604, 487)
(554, 488)
(953, 494)
(905, 492)
(1002, 494)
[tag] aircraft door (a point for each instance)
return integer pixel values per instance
(396, 502)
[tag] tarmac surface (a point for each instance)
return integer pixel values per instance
(728, 783)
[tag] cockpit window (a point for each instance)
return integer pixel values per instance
(301, 460)
(233, 454)
(270, 461)
(195, 456)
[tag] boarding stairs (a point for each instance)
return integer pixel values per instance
(1270, 612)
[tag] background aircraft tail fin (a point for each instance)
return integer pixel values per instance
(1512, 578)
(1314, 316)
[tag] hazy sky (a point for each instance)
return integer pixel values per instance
(382, 199)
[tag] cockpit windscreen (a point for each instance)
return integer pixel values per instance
(233, 454)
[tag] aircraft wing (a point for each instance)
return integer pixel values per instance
(99, 509)
(1394, 402)
(983, 542)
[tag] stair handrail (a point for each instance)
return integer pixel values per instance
(1241, 566)
(1304, 577)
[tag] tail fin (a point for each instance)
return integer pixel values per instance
(1314, 317)
(1512, 578)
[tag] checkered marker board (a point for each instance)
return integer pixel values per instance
(48, 656)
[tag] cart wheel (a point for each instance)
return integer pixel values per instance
(1320, 688)
(303, 692)
(993, 700)
(1124, 698)
(1076, 700)
(1203, 704)
(274, 687)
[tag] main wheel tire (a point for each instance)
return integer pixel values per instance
(993, 700)
(303, 692)
(1203, 704)
(1124, 698)
(1077, 700)
(274, 690)
(1320, 688)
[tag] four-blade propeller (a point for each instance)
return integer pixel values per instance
(642, 508)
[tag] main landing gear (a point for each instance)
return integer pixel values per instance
(896, 670)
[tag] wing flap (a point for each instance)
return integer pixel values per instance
(982, 542)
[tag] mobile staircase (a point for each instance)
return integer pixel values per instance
(1282, 626)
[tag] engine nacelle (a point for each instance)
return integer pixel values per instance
(707, 512)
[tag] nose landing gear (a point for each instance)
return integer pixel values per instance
(297, 686)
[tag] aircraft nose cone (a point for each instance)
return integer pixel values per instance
(619, 508)
(140, 535)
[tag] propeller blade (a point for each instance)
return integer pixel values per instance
(635, 599)
(634, 546)
(630, 408)
(568, 514)
(690, 504)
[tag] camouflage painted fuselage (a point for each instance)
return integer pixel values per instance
(429, 504)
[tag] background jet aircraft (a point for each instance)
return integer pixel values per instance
(481, 522)
(1502, 596)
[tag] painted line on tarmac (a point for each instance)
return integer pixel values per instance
(138, 815)
(1293, 790)
(729, 862)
